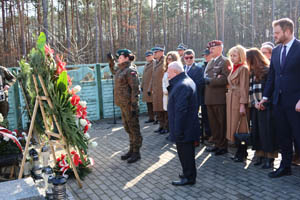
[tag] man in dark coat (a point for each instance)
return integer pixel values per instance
(183, 120)
(195, 72)
(283, 85)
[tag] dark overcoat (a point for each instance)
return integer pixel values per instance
(183, 109)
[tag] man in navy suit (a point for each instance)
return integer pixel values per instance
(195, 72)
(183, 120)
(283, 86)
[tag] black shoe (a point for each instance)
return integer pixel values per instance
(238, 159)
(281, 171)
(155, 122)
(149, 121)
(183, 181)
(126, 156)
(259, 161)
(221, 152)
(158, 130)
(163, 131)
(135, 156)
(212, 149)
(268, 163)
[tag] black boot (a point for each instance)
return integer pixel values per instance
(126, 155)
(241, 153)
(135, 156)
(268, 163)
(259, 161)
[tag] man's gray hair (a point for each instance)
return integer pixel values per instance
(177, 66)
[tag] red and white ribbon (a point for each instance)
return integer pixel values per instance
(7, 133)
(64, 166)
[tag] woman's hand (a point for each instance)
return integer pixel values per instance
(257, 106)
(242, 109)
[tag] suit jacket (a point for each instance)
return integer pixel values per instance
(156, 84)
(196, 74)
(218, 71)
(284, 82)
(182, 109)
(146, 81)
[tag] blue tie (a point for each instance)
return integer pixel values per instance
(283, 56)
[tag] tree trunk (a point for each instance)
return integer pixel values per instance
(110, 27)
(22, 40)
(67, 28)
(78, 25)
(216, 19)
(45, 18)
(39, 16)
(252, 23)
(152, 26)
(52, 22)
(4, 31)
(99, 13)
(187, 23)
(138, 39)
(164, 24)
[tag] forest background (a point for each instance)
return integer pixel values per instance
(84, 31)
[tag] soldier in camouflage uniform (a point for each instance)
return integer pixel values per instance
(7, 79)
(126, 94)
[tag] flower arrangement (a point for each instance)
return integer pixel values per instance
(68, 109)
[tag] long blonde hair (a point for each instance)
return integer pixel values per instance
(175, 57)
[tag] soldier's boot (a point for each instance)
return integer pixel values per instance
(135, 156)
(126, 155)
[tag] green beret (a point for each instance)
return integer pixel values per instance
(125, 52)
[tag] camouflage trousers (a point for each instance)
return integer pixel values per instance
(4, 107)
(132, 127)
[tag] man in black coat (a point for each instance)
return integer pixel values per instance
(283, 85)
(183, 120)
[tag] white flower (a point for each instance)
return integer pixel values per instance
(90, 125)
(82, 103)
(94, 144)
(24, 134)
(87, 136)
(83, 122)
(1, 117)
(76, 89)
(6, 138)
(14, 133)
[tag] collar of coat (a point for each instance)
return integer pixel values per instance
(178, 77)
(124, 65)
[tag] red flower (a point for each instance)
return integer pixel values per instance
(86, 128)
(81, 112)
(48, 50)
(57, 159)
(76, 159)
(60, 65)
(69, 81)
(75, 100)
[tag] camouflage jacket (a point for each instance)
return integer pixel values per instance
(126, 91)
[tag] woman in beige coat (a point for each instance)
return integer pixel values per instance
(237, 99)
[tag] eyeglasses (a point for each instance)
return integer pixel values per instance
(188, 57)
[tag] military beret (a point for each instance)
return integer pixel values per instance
(214, 43)
(206, 52)
(125, 52)
(268, 45)
(158, 48)
(181, 46)
(149, 53)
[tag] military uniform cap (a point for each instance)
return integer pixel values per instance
(125, 52)
(149, 53)
(214, 43)
(182, 46)
(206, 52)
(158, 48)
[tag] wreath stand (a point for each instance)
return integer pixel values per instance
(39, 103)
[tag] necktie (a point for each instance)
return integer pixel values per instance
(283, 56)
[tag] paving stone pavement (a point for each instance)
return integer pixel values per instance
(150, 178)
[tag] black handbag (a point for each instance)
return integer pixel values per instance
(242, 138)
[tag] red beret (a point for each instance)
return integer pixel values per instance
(214, 43)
